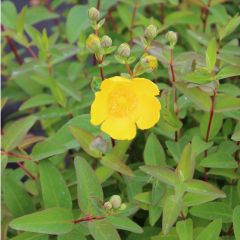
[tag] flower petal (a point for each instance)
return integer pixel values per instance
(150, 107)
(110, 83)
(119, 128)
(99, 108)
(145, 86)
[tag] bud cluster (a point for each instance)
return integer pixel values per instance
(171, 38)
(115, 202)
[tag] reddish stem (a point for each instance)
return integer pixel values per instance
(26, 171)
(101, 73)
(129, 69)
(204, 15)
(132, 20)
(87, 219)
(32, 52)
(209, 129)
(176, 110)
(114, 25)
(182, 215)
(98, 4)
(12, 154)
(13, 47)
(162, 15)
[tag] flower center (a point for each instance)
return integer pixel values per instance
(122, 102)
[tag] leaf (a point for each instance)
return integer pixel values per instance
(16, 198)
(46, 149)
(186, 164)
(236, 136)
(193, 199)
(230, 27)
(213, 210)
(199, 146)
(225, 103)
(236, 222)
(124, 223)
(212, 231)
(155, 213)
(219, 160)
(36, 101)
(171, 209)
(211, 54)
(197, 96)
(55, 192)
(153, 152)
(9, 14)
(16, 131)
(227, 72)
(163, 174)
(77, 21)
(85, 139)
(203, 188)
(185, 229)
(30, 236)
(49, 221)
(103, 230)
(88, 186)
(216, 125)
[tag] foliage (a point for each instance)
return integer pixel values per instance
(63, 178)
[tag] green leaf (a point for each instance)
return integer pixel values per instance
(219, 160)
(212, 231)
(155, 213)
(225, 103)
(199, 77)
(36, 101)
(203, 188)
(124, 223)
(199, 146)
(185, 229)
(9, 14)
(55, 192)
(186, 164)
(211, 54)
(85, 139)
(88, 186)
(77, 21)
(197, 96)
(16, 131)
(171, 209)
(230, 27)
(163, 174)
(236, 222)
(153, 152)
(78, 233)
(49, 221)
(16, 198)
(228, 71)
(216, 125)
(213, 210)
(103, 230)
(236, 136)
(30, 236)
(194, 199)
(47, 149)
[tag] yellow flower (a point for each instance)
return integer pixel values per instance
(123, 104)
(93, 43)
(149, 61)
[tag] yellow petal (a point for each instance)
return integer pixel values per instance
(145, 86)
(150, 112)
(99, 108)
(110, 83)
(119, 128)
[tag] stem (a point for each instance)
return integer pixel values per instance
(132, 20)
(26, 171)
(100, 68)
(162, 15)
(182, 215)
(12, 154)
(87, 219)
(209, 129)
(114, 25)
(13, 47)
(129, 69)
(32, 52)
(176, 110)
(98, 4)
(101, 73)
(204, 15)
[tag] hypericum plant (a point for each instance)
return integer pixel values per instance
(80, 79)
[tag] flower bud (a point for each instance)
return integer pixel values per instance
(106, 41)
(93, 14)
(123, 206)
(116, 201)
(149, 62)
(93, 43)
(124, 50)
(150, 32)
(99, 144)
(107, 205)
(172, 38)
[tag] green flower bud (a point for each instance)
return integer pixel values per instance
(123, 206)
(172, 38)
(150, 32)
(93, 14)
(106, 41)
(107, 205)
(116, 201)
(124, 50)
(93, 43)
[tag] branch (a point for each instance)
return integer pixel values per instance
(132, 20)
(12, 154)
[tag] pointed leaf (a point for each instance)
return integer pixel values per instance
(236, 222)
(185, 229)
